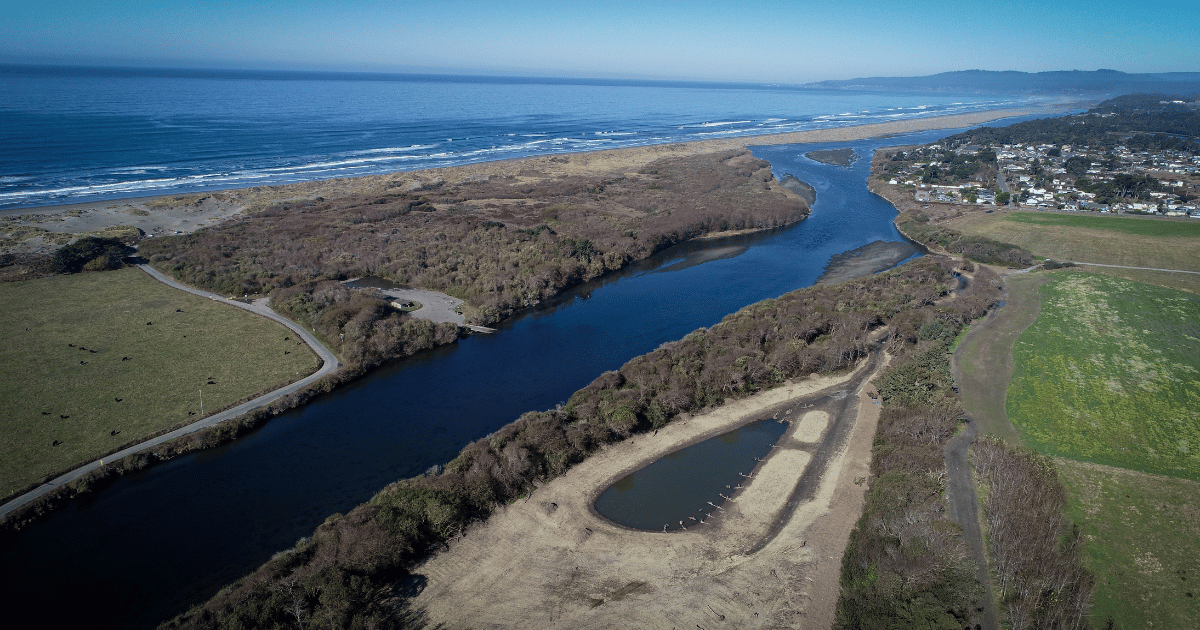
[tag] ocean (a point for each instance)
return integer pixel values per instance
(73, 135)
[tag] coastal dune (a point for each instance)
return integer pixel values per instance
(186, 213)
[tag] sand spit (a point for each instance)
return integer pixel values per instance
(770, 557)
(44, 229)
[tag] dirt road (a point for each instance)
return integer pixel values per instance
(330, 363)
(771, 557)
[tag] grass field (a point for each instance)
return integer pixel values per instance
(1142, 540)
(984, 360)
(1121, 225)
(1155, 243)
(76, 344)
(1110, 373)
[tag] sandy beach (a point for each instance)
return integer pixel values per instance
(43, 229)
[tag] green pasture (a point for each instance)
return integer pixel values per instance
(76, 344)
(1110, 373)
(1142, 541)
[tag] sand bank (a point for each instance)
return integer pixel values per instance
(171, 214)
(769, 558)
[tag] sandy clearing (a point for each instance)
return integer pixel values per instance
(766, 560)
(811, 426)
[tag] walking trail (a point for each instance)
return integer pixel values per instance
(260, 307)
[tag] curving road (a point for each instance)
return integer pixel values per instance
(260, 307)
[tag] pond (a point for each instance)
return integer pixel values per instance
(684, 487)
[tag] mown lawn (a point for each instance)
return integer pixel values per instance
(1142, 541)
(1110, 373)
(76, 344)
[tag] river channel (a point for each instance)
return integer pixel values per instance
(154, 543)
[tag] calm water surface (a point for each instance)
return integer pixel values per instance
(682, 488)
(154, 543)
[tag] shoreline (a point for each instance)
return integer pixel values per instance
(606, 161)
(187, 212)
(759, 531)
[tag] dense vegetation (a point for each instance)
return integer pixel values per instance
(906, 564)
(1034, 550)
(90, 253)
(916, 225)
(1141, 122)
(344, 575)
(500, 244)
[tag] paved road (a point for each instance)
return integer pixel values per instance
(330, 363)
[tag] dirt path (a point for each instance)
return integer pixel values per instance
(329, 364)
(964, 510)
(770, 558)
(982, 367)
(982, 364)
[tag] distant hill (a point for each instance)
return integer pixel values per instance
(1067, 82)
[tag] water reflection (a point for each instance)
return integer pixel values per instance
(681, 489)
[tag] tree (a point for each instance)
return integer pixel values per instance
(92, 253)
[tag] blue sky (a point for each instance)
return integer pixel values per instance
(784, 42)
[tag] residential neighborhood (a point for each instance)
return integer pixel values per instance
(1066, 177)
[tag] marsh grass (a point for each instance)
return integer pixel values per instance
(189, 342)
(1142, 540)
(1110, 373)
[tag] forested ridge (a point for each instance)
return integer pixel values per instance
(1157, 122)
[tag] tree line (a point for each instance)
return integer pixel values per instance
(345, 575)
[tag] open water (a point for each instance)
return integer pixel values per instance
(154, 543)
(76, 134)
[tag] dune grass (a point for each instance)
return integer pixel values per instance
(76, 344)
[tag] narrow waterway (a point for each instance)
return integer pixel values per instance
(155, 543)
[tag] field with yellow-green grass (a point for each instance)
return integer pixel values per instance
(1108, 380)
(1110, 373)
(1110, 240)
(95, 361)
(1142, 540)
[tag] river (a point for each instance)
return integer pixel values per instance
(156, 542)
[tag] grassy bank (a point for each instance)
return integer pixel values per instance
(97, 361)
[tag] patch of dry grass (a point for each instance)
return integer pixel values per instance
(1084, 243)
